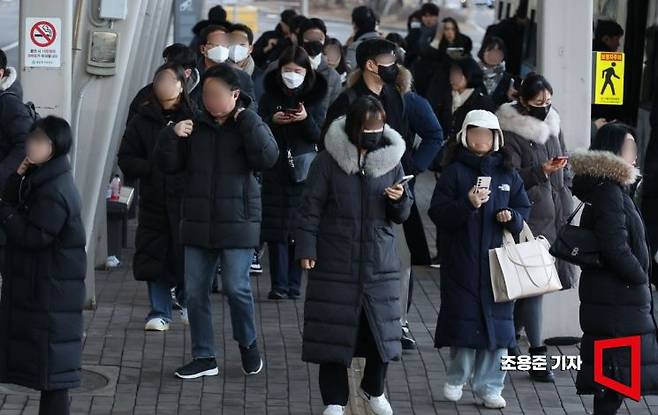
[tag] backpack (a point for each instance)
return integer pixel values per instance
(29, 106)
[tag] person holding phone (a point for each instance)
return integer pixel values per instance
(345, 239)
(478, 195)
(536, 146)
(293, 106)
(43, 277)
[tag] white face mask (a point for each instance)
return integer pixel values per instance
(292, 79)
(238, 53)
(316, 61)
(218, 54)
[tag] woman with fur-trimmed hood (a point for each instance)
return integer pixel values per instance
(534, 143)
(615, 300)
(346, 240)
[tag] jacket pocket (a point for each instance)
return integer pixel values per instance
(386, 258)
(334, 250)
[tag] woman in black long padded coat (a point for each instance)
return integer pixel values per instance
(615, 299)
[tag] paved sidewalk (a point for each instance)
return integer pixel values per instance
(142, 364)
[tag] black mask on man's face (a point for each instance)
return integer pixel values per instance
(539, 113)
(313, 47)
(389, 73)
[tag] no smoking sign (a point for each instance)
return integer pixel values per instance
(42, 42)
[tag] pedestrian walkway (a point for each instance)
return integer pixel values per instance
(141, 365)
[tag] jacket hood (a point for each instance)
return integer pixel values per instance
(526, 126)
(315, 94)
(193, 81)
(604, 166)
(378, 162)
(9, 80)
(403, 82)
(485, 119)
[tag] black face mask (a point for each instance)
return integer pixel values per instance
(388, 73)
(370, 140)
(313, 48)
(539, 112)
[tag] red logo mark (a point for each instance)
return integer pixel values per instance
(634, 342)
(43, 34)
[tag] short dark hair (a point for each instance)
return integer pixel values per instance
(210, 29)
(239, 27)
(491, 42)
(607, 28)
(299, 56)
(397, 39)
(181, 54)
(225, 73)
(59, 132)
(287, 16)
(429, 9)
(532, 85)
(471, 70)
(217, 14)
(611, 137)
(314, 23)
(372, 48)
(3, 59)
(179, 71)
(364, 18)
(297, 23)
(358, 113)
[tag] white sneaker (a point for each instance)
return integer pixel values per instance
(378, 404)
(156, 324)
(452, 393)
(334, 410)
(491, 401)
(183, 316)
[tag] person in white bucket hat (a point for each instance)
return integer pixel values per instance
(471, 220)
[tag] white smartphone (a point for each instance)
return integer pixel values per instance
(405, 179)
(483, 182)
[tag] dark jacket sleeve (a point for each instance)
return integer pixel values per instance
(519, 205)
(39, 226)
(261, 148)
(609, 218)
(170, 152)
(133, 158)
(423, 121)
(449, 210)
(311, 209)
(141, 96)
(531, 175)
(15, 124)
(258, 53)
(247, 88)
(336, 109)
(398, 210)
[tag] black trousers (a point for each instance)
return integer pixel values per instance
(608, 403)
(54, 402)
(414, 232)
(334, 384)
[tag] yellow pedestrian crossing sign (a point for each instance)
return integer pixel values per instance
(608, 88)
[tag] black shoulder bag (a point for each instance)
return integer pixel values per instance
(577, 245)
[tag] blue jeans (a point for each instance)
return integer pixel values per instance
(160, 299)
(484, 365)
(200, 269)
(285, 272)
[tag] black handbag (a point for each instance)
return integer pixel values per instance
(299, 165)
(577, 245)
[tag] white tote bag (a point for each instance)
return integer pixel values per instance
(522, 270)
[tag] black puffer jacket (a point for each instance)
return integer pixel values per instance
(346, 226)
(615, 301)
(280, 195)
(221, 204)
(43, 287)
(156, 241)
(15, 123)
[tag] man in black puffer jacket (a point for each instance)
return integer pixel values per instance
(221, 211)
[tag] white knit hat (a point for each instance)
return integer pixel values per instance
(484, 119)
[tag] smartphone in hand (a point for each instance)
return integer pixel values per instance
(483, 182)
(405, 180)
(560, 159)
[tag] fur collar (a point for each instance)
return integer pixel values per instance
(603, 165)
(530, 128)
(9, 79)
(403, 82)
(378, 162)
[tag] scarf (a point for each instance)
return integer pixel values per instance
(459, 99)
(492, 76)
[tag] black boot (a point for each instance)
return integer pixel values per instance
(545, 375)
(516, 350)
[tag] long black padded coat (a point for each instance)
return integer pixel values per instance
(43, 280)
(158, 253)
(615, 300)
(346, 226)
(221, 207)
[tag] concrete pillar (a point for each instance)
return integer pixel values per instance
(565, 58)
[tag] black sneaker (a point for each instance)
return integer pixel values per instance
(275, 295)
(293, 295)
(256, 267)
(408, 342)
(252, 364)
(198, 368)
